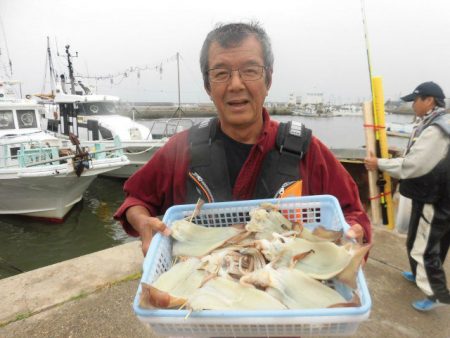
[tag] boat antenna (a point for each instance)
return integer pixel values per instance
(70, 66)
(179, 110)
(6, 47)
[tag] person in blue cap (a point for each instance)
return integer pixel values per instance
(424, 174)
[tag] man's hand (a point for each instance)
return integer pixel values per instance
(356, 232)
(155, 225)
(371, 162)
(145, 225)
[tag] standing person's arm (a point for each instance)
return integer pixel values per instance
(428, 150)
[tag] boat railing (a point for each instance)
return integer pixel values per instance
(162, 128)
(36, 154)
(22, 154)
(100, 151)
(26, 157)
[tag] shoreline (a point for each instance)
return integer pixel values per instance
(160, 112)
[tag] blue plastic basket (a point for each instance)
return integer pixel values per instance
(312, 211)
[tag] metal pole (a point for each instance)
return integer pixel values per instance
(52, 69)
(178, 70)
(71, 77)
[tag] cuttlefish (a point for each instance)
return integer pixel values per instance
(320, 260)
(264, 223)
(173, 287)
(197, 241)
(294, 288)
(224, 294)
(233, 261)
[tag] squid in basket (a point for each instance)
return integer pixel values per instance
(270, 263)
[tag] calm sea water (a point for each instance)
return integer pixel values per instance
(335, 132)
(27, 244)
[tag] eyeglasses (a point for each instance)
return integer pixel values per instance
(248, 73)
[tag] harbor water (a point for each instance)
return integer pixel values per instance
(27, 244)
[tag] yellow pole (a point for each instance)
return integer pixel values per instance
(374, 190)
(379, 121)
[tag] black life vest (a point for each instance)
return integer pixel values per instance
(435, 185)
(208, 170)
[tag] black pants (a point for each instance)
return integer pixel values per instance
(427, 243)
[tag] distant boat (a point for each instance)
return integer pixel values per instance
(399, 129)
(41, 175)
(313, 110)
(348, 110)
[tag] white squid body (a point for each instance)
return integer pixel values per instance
(197, 241)
(264, 223)
(233, 260)
(173, 287)
(322, 260)
(182, 279)
(294, 288)
(224, 294)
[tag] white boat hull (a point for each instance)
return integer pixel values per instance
(138, 157)
(49, 197)
(48, 191)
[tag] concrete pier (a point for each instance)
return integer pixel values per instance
(91, 296)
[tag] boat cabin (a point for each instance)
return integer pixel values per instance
(92, 118)
(18, 119)
(20, 130)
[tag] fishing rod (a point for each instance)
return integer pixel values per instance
(383, 180)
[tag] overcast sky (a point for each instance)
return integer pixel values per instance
(319, 45)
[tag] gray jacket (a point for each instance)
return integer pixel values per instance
(429, 148)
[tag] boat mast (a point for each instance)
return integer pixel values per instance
(179, 110)
(7, 53)
(178, 72)
(72, 78)
(52, 68)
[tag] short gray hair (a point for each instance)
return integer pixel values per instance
(231, 35)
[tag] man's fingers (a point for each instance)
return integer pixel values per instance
(159, 226)
(167, 232)
(156, 225)
(145, 246)
(356, 232)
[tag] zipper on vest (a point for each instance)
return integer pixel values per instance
(201, 184)
(290, 189)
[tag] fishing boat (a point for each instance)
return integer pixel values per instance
(41, 175)
(95, 119)
(313, 110)
(348, 110)
(399, 129)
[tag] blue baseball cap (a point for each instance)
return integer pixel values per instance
(425, 89)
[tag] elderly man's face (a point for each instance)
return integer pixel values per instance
(239, 103)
